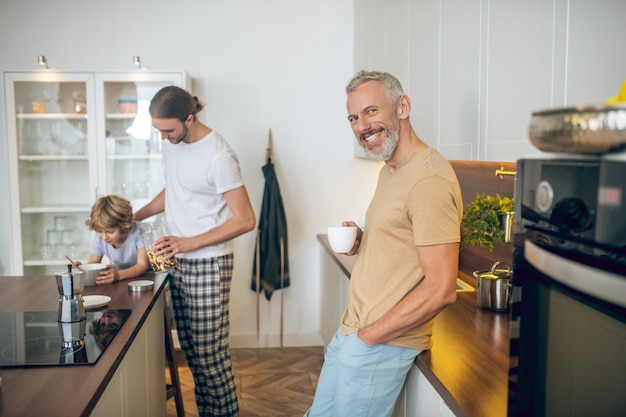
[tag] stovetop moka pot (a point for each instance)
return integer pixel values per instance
(71, 285)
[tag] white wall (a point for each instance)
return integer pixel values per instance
(278, 64)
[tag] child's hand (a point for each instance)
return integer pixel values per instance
(114, 272)
(108, 276)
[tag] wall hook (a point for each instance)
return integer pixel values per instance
(269, 151)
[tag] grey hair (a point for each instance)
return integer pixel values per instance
(391, 84)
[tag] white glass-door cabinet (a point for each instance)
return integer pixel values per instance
(73, 137)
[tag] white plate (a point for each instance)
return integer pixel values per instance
(95, 301)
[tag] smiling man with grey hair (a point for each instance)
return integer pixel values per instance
(408, 257)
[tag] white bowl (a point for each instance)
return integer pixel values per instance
(91, 272)
(341, 238)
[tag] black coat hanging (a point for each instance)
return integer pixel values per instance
(272, 255)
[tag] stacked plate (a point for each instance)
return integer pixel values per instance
(91, 302)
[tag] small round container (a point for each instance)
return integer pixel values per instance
(37, 107)
(127, 105)
(80, 105)
(140, 285)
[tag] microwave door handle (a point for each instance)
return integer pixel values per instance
(601, 284)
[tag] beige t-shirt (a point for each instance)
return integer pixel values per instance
(420, 204)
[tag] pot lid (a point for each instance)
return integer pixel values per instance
(497, 271)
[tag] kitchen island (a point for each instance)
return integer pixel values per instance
(127, 380)
(468, 364)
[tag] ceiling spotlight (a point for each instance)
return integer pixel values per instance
(42, 61)
(137, 61)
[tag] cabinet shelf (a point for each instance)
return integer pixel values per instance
(56, 209)
(45, 262)
(52, 157)
(51, 116)
(123, 116)
(136, 156)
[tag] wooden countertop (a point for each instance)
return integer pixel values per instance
(468, 364)
(68, 390)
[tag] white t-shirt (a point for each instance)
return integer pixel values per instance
(196, 177)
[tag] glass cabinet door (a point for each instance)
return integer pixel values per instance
(52, 166)
(134, 168)
(73, 137)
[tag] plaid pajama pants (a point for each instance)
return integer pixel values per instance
(200, 291)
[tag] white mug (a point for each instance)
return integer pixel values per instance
(342, 238)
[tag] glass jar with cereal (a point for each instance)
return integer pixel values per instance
(150, 233)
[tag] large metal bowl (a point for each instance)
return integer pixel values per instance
(579, 129)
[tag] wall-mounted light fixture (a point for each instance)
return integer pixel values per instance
(42, 61)
(137, 62)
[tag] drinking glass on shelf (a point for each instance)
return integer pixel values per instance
(29, 138)
(57, 138)
(67, 237)
(79, 146)
(73, 251)
(53, 237)
(139, 190)
(62, 223)
(40, 146)
(60, 250)
(46, 251)
(123, 191)
(23, 146)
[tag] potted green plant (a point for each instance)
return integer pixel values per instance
(484, 220)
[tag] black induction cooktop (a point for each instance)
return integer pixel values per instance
(37, 338)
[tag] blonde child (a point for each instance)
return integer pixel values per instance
(118, 238)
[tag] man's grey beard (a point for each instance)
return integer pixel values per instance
(390, 145)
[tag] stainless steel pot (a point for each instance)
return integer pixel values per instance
(493, 287)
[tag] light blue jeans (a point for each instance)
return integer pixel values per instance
(358, 379)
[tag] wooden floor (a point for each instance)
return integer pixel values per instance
(276, 382)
